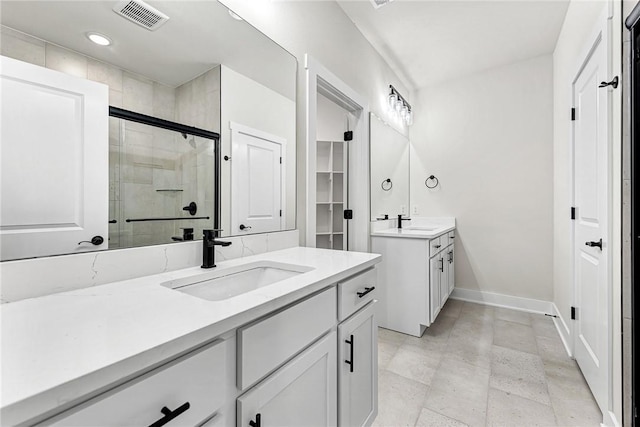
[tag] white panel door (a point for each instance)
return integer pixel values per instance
(591, 200)
(301, 393)
(256, 181)
(54, 163)
(357, 379)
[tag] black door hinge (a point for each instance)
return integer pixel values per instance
(573, 114)
(573, 212)
(280, 212)
(573, 313)
(280, 160)
(348, 214)
(348, 135)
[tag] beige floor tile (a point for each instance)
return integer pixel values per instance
(519, 373)
(393, 337)
(476, 311)
(543, 326)
(452, 308)
(459, 391)
(552, 349)
(578, 413)
(564, 379)
(504, 409)
(512, 316)
(386, 351)
(440, 329)
(415, 363)
(467, 349)
(429, 418)
(515, 336)
(400, 400)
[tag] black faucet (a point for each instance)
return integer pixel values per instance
(209, 243)
(400, 219)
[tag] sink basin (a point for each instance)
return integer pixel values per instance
(231, 282)
(419, 228)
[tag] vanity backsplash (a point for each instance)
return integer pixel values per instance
(30, 278)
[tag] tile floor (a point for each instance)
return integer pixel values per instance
(481, 366)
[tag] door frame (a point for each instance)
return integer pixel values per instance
(600, 33)
(319, 80)
(237, 128)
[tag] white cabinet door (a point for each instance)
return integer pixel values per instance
(435, 274)
(444, 276)
(451, 267)
(301, 393)
(54, 163)
(358, 369)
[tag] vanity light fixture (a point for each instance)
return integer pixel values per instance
(99, 39)
(399, 105)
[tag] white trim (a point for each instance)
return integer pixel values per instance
(563, 330)
(529, 305)
(321, 80)
(233, 126)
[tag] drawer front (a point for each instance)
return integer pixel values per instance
(451, 236)
(194, 386)
(436, 245)
(355, 292)
(268, 343)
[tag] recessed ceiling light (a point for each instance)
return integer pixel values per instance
(99, 39)
(235, 16)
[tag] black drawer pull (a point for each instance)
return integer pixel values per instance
(366, 291)
(257, 422)
(350, 362)
(169, 414)
(437, 246)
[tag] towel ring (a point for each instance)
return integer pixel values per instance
(431, 178)
(388, 186)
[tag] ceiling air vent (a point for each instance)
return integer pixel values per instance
(141, 13)
(377, 4)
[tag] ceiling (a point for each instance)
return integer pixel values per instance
(428, 42)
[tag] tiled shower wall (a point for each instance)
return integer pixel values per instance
(143, 159)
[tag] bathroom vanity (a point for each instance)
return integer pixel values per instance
(282, 338)
(416, 275)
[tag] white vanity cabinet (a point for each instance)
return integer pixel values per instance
(416, 277)
(357, 351)
(194, 389)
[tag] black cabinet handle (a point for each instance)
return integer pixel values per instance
(350, 362)
(257, 422)
(441, 264)
(597, 244)
(450, 257)
(169, 414)
(366, 291)
(437, 246)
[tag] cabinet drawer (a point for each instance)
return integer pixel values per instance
(197, 381)
(355, 292)
(451, 237)
(268, 343)
(436, 245)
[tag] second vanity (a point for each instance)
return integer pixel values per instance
(299, 348)
(416, 275)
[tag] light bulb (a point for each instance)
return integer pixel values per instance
(404, 111)
(392, 100)
(409, 118)
(399, 105)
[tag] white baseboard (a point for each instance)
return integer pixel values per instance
(610, 420)
(507, 301)
(563, 330)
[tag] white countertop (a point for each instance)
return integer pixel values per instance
(61, 347)
(414, 228)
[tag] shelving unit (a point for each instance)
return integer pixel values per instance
(331, 189)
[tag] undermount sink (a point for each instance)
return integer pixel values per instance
(231, 282)
(420, 228)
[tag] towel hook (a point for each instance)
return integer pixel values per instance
(388, 186)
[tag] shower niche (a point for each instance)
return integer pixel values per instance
(162, 180)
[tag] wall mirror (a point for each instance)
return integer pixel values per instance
(192, 63)
(389, 170)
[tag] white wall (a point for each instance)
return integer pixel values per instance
(322, 30)
(247, 102)
(488, 139)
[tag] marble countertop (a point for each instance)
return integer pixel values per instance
(59, 348)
